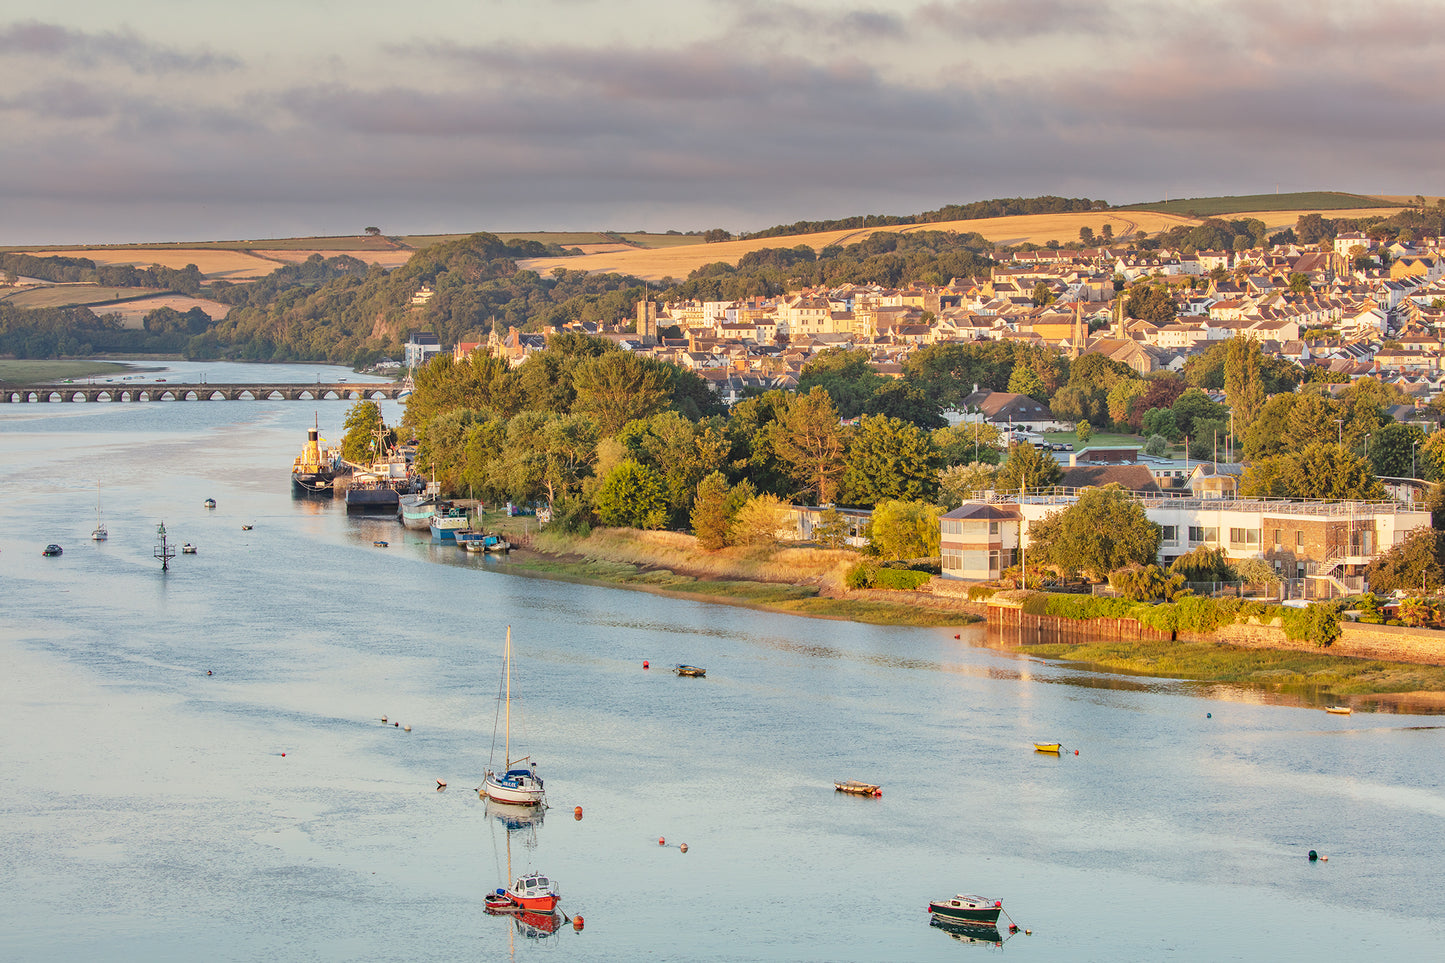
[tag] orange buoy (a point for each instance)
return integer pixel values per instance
(577, 923)
(957, 636)
(208, 672)
(878, 792)
(683, 847)
(283, 755)
(644, 663)
(1076, 752)
(661, 841)
(577, 813)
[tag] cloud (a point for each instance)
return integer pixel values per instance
(50, 41)
(811, 24)
(1020, 19)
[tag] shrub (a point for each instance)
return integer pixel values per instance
(894, 578)
(1320, 623)
(572, 516)
(976, 592)
(860, 576)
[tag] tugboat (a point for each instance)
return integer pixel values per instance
(314, 470)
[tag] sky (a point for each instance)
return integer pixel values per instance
(189, 120)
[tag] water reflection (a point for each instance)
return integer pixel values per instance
(977, 934)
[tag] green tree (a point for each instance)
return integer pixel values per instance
(1243, 385)
(1026, 381)
(631, 496)
(1028, 468)
(1122, 399)
(905, 529)
(1083, 431)
(1318, 471)
(1144, 583)
(758, 521)
(832, 529)
(848, 376)
(809, 442)
(958, 483)
(899, 399)
(968, 441)
(363, 426)
(1299, 283)
(1152, 303)
(1395, 451)
(617, 387)
(1417, 564)
(1042, 295)
(1104, 530)
(711, 518)
(1195, 405)
(887, 458)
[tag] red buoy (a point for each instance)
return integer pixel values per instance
(661, 841)
(644, 663)
(577, 813)
(283, 755)
(1076, 752)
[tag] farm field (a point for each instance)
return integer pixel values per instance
(1299, 202)
(681, 260)
(132, 313)
(212, 262)
(70, 295)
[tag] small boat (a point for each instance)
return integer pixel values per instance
(515, 784)
(446, 521)
(209, 503)
(188, 549)
(247, 528)
(533, 892)
(1339, 710)
(858, 788)
(690, 671)
(1047, 747)
(967, 909)
(99, 534)
(52, 550)
(381, 543)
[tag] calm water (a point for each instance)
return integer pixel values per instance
(148, 811)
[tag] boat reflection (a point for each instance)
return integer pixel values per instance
(976, 933)
(524, 819)
(529, 924)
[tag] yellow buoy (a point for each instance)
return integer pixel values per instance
(406, 728)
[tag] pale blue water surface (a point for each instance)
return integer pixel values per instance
(148, 812)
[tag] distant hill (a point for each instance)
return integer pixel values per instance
(1249, 203)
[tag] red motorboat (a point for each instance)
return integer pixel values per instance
(533, 892)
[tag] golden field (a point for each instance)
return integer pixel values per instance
(679, 262)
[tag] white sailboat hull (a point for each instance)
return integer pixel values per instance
(519, 789)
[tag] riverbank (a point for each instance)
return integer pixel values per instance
(30, 372)
(794, 580)
(809, 581)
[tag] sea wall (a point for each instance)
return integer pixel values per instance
(1389, 643)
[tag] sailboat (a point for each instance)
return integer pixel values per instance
(516, 784)
(100, 534)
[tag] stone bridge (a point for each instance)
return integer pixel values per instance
(179, 391)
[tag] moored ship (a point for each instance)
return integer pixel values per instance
(314, 470)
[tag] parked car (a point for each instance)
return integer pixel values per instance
(1061, 446)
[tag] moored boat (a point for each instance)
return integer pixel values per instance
(53, 550)
(416, 510)
(533, 892)
(690, 671)
(188, 549)
(99, 534)
(368, 493)
(1053, 747)
(209, 503)
(967, 909)
(314, 470)
(516, 784)
(857, 788)
(1339, 710)
(447, 520)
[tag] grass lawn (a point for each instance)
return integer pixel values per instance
(1100, 439)
(41, 372)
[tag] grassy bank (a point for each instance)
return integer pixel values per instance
(796, 580)
(1284, 670)
(14, 372)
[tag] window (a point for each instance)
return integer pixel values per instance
(1276, 538)
(1199, 535)
(1244, 538)
(1171, 534)
(1299, 541)
(993, 561)
(993, 528)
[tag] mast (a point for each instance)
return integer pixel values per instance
(507, 667)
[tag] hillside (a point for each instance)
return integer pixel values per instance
(1300, 202)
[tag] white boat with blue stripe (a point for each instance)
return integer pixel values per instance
(513, 783)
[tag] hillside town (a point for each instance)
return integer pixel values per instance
(1337, 312)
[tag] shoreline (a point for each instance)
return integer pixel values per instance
(655, 563)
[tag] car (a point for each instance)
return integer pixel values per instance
(1062, 446)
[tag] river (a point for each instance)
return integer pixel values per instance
(195, 766)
